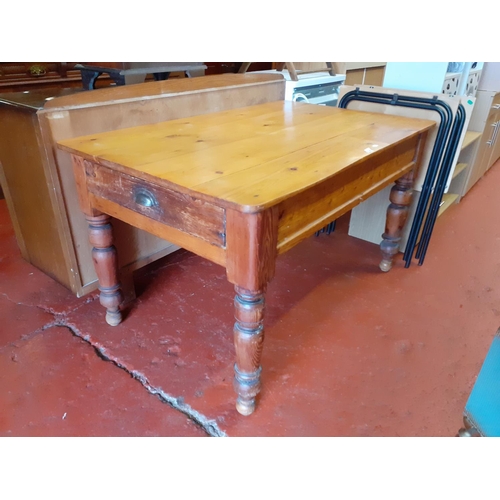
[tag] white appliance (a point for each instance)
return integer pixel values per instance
(316, 88)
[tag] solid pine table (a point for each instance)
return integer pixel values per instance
(239, 188)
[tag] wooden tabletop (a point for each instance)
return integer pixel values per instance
(252, 157)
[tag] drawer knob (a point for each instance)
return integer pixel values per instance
(145, 198)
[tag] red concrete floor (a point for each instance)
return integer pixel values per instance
(349, 350)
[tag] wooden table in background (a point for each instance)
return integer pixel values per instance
(241, 187)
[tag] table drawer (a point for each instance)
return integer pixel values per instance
(185, 213)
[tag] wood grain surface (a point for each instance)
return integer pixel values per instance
(250, 158)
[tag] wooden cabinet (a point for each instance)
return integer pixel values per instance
(39, 192)
(22, 76)
(37, 178)
(486, 120)
(27, 187)
(492, 154)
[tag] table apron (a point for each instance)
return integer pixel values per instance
(302, 215)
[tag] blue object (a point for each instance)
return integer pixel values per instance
(483, 406)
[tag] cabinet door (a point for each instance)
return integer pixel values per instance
(479, 165)
(495, 146)
(484, 153)
(490, 137)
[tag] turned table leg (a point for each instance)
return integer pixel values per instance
(248, 342)
(397, 213)
(106, 266)
(251, 252)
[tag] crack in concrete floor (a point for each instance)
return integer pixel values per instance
(49, 310)
(208, 425)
